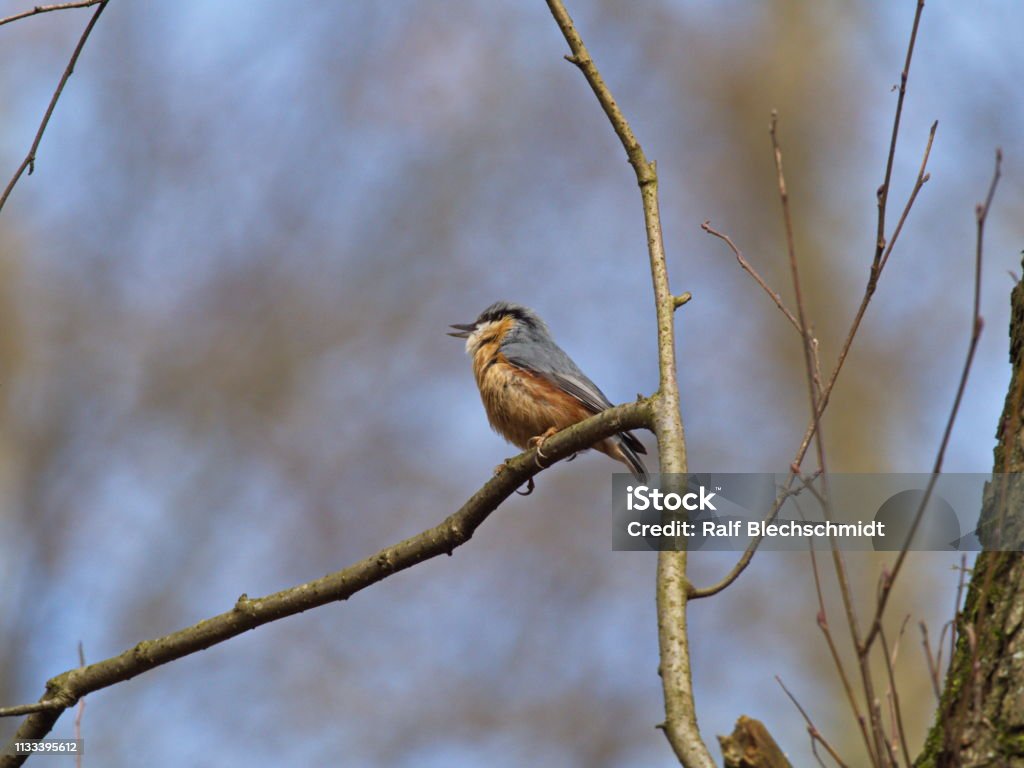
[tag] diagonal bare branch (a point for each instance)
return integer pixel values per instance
(47, 8)
(248, 613)
(29, 162)
(749, 269)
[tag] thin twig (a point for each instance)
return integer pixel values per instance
(933, 667)
(785, 492)
(899, 639)
(801, 313)
(31, 708)
(836, 659)
(814, 751)
(923, 178)
(749, 269)
(893, 747)
(811, 728)
(890, 668)
(883, 191)
(787, 220)
(844, 350)
(826, 391)
(981, 215)
(953, 623)
(46, 9)
(29, 162)
(838, 561)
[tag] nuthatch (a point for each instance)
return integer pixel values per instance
(530, 387)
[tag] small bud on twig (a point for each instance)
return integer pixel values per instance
(678, 301)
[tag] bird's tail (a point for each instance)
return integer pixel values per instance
(629, 457)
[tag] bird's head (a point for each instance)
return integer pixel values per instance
(500, 322)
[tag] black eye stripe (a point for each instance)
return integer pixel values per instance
(494, 315)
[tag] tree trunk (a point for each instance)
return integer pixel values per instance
(980, 720)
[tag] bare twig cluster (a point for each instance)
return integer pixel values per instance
(884, 737)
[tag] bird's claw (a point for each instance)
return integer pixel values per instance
(530, 485)
(538, 442)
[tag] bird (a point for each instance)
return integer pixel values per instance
(530, 387)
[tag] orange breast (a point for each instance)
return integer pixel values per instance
(521, 404)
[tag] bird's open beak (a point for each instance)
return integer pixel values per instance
(463, 330)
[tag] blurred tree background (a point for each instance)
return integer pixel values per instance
(223, 366)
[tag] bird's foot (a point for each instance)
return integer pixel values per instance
(538, 443)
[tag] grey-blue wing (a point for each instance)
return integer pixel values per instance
(552, 363)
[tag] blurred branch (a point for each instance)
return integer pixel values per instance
(29, 162)
(899, 733)
(248, 613)
(672, 588)
(47, 8)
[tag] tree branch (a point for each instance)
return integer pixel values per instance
(47, 8)
(248, 613)
(29, 162)
(883, 190)
(749, 269)
(672, 589)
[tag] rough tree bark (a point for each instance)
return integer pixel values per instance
(980, 720)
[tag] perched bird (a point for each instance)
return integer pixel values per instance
(530, 387)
